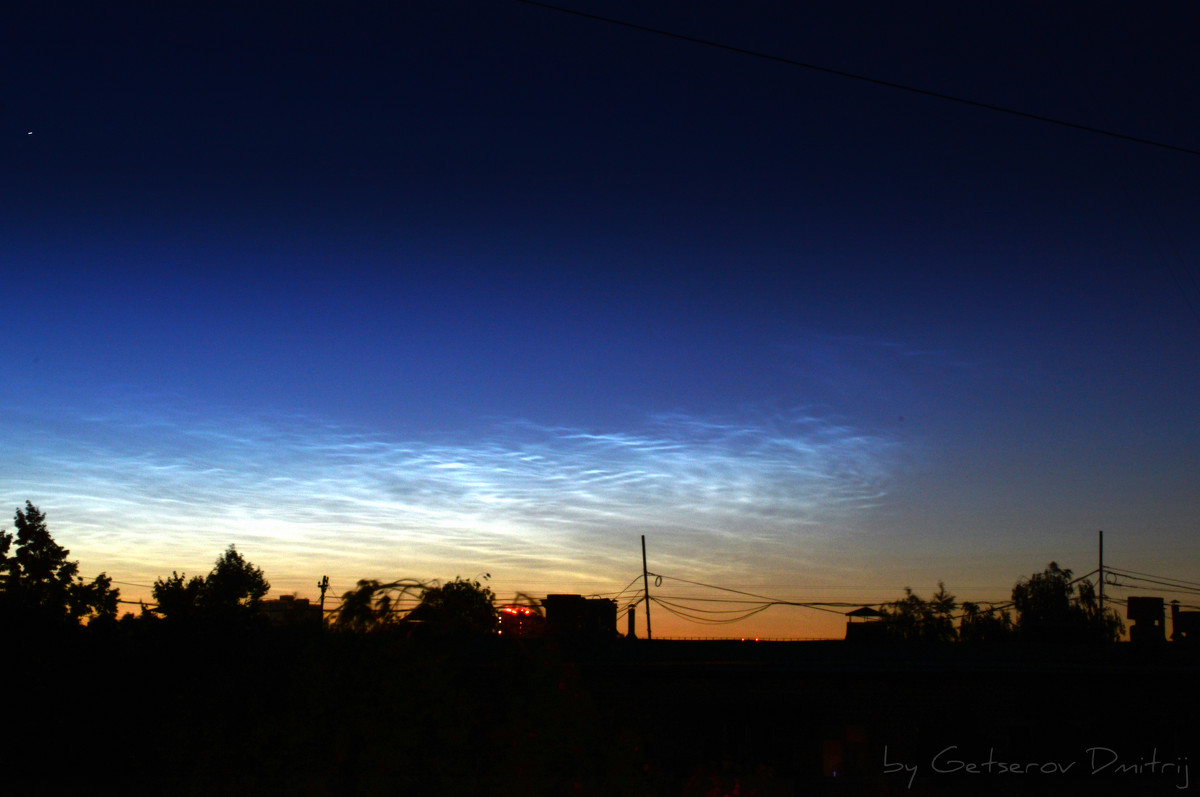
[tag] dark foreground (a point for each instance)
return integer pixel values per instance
(275, 712)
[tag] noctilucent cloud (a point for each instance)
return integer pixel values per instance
(452, 288)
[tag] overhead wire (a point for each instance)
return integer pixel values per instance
(1163, 586)
(1174, 269)
(627, 586)
(1126, 571)
(685, 615)
(864, 78)
(713, 586)
(739, 610)
(672, 603)
(844, 604)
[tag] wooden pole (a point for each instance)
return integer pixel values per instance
(646, 588)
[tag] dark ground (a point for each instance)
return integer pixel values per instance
(290, 712)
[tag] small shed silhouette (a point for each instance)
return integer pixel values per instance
(864, 623)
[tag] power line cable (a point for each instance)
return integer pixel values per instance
(627, 586)
(1163, 584)
(1084, 577)
(1169, 586)
(1127, 571)
(708, 620)
(740, 609)
(842, 604)
(714, 586)
(864, 78)
(820, 607)
(1125, 602)
(767, 601)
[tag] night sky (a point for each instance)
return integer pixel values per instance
(380, 290)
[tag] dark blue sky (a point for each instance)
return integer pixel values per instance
(260, 239)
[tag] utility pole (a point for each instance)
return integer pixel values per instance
(646, 587)
(1102, 571)
(323, 585)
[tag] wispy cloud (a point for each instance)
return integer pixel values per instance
(140, 493)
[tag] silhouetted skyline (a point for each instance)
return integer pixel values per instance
(424, 290)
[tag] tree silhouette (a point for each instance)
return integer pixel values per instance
(178, 597)
(376, 606)
(1053, 607)
(461, 607)
(233, 588)
(1050, 606)
(40, 586)
(912, 618)
(234, 583)
(980, 625)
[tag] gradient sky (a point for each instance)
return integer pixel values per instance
(384, 290)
